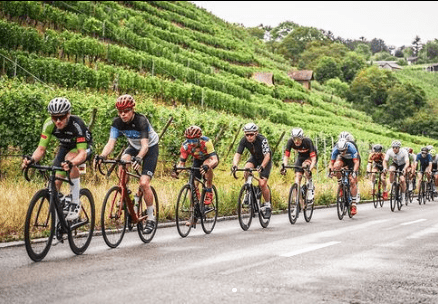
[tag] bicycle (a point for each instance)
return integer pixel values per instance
(423, 191)
(118, 206)
(189, 208)
(396, 193)
(298, 199)
(409, 191)
(343, 197)
(377, 189)
(430, 186)
(250, 202)
(45, 218)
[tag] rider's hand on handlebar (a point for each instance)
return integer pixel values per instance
(233, 168)
(204, 169)
(67, 165)
(260, 169)
(27, 160)
(98, 160)
(137, 163)
(283, 171)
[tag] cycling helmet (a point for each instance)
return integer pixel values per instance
(344, 134)
(396, 144)
(193, 132)
(377, 148)
(342, 144)
(297, 132)
(125, 102)
(59, 106)
(429, 147)
(250, 127)
(432, 152)
(424, 150)
(409, 150)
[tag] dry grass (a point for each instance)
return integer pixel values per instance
(16, 195)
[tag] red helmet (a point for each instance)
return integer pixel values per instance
(125, 102)
(193, 132)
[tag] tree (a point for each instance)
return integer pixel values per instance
(416, 45)
(378, 45)
(326, 69)
(317, 49)
(364, 50)
(351, 65)
(256, 32)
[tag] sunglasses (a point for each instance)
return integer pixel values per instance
(193, 141)
(124, 111)
(59, 118)
(249, 134)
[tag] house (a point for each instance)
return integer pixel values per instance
(304, 77)
(264, 77)
(432, 68)
(388, 65)
(411, 59)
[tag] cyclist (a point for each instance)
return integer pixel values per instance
(425, 160)
(260, 158)
(375, 165)
(410, 169)
(204, 156)
(307, 157)
(434, 168)
(74, 148)
(350, 138)
(344, 154)
(142, 149)
(400, 161)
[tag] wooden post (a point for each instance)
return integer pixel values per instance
(234, 140)
(92, 119)
(218, 135)
(278, 142)
(165, 127)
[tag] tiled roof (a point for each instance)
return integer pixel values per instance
(301, 75)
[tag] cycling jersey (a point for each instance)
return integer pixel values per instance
(424, 161)
(134, 130)
(376, 158)
(351, 152)
(74, 135)
(305, 149)
(202, 151)
(399, 159)
(258, 149)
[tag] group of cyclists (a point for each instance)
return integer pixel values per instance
(76, 148)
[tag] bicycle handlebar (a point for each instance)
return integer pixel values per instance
(115, 161)
(46, 168)
(294, 167)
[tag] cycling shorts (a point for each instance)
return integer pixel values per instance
(198, 163)
(300, 160)
(266, 172)
(149, 160)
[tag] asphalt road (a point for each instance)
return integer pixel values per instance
(379, 256)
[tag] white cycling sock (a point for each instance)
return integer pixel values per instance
(151, 216)
(75, 188)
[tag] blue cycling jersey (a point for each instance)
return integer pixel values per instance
(351, 152)
(424, 161)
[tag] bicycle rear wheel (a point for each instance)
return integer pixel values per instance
(264, 221)
(185, 212)
(209, 212)
(394, 196)
(39, 227)
(79, 237)
(375, 194)
(293, 207)
(142, 211)
(245, 210)
(114, 217)
(308, 205)
(340, 202)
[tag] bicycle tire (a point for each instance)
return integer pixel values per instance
(375, 195)
(340, 202)
(393, 197)
(245, 210)
(147, 237)
(380, 193)
(264, 222)
(39, 227)
(399, 199)
(209, 213)
(79, 238)
(185, 211)
(293, 204)
(308, 206)
(421, 195)
(348, 205)
(113, 217)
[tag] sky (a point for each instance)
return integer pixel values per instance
(396, 23)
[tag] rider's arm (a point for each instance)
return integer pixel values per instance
(144, 148)
(236, 159)
(109, 147)
(266, 160)
(356, 164)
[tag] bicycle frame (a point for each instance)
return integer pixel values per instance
(249, 186)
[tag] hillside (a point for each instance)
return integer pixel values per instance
(176, 59)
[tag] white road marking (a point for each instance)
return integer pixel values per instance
(308, 249)
(414, 222)
(424, 232)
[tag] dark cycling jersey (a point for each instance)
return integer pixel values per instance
(134, 130)
(424, 161)
(74, 135)
(258, 149)
(306, 149)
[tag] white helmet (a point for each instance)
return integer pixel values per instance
(396, 144)
(342, 144)
(344, 134)
(297, 132)
(58, 106)
(250, 127)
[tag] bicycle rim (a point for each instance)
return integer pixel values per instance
(185, 213)
(292, 205)
(308, 206)
(113, 217)
(393, 197)
(209, 212)
(340, 202)
(245, 210)
(375, 195)
(39, 227)
(264, 222)
(80, 237)
(143, 211)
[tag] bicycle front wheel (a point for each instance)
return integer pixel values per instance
(340, 202)
(185, 212)
(114, 217)
(375, 194)
(209, 212)
(245, 210)
(421, 194)
(308, 205)
(146, 237)
(79, 237)
(264, 221)
(293, 207)
(39, 227)
(394, 196)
